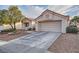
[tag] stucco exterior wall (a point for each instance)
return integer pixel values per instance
(54, 17)
(24, 27)
(51, 17)
(18, 26)
(64, 25)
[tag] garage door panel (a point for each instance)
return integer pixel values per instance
(50, 26)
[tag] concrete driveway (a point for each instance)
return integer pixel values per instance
(36, 42)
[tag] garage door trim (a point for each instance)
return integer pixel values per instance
(47, 26)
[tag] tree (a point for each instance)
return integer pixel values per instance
(4, 16)
(14, 16)
(11, 16)
(1, 17)
(75, 20)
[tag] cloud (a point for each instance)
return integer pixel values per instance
(32, 11)
(62, 9)
(73, 11)
(4, 7)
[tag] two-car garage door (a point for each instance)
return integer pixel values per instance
(54, 26)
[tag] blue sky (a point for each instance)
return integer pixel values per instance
(33, 11)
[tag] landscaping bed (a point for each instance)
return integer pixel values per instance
(7, 36)
(66, 43)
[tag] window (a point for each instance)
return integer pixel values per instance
(26, 24)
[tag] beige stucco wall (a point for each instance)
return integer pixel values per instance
(18, 26)
(30, 25)
(64, 25)
(64, 21)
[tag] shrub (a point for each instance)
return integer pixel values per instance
(33, 28)
(8, 30)
(30, 29)
(72, 29)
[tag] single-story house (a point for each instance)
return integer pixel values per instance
(25, 24)
(51, 21)
(47, 21)
(28, 23)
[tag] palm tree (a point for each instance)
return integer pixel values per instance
(4, 17)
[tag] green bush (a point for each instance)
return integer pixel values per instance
(72, 29)
(30, 29)
(33, 28)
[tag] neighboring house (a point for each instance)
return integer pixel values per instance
(25, 24)
(51, 21)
